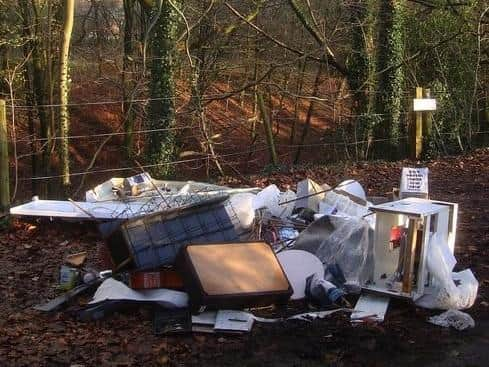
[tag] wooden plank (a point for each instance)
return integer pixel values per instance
(410, 252)
(419, 127)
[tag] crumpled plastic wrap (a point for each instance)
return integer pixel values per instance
(345, 241)
(272, 199)
(457, 319)
(338, 204)
(243, 207)
(451, 290)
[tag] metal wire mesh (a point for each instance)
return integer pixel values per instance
(154, 240)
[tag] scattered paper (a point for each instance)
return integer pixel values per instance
(230, 320)
(112, 289)
(370, 307)
(457, 319)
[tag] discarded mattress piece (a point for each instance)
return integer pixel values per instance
(299, 265)
(114, 290)
(224, 275)
(155, 239)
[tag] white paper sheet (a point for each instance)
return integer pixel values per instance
(234, 320)
(112, 289)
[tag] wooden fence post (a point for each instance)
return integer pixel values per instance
(268, 130)
(417, 130)
(428, 118)
(4, 160)
(428, 144)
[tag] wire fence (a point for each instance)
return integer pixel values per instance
(262, 147)
(231, 150)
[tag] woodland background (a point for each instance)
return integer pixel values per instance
(182, 88)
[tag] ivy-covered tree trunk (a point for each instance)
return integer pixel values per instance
(391, 77)
(64, 117)
(161, 145)
(361, 65)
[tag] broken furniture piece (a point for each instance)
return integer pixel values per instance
(81, 210)
(160, 278)
(233, 275)
(403, 230)
(154, 240)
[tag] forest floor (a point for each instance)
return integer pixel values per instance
(31, 253)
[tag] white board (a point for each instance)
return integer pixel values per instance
(298, 265)
(370, 306)
(414, 181)
(85, 210)
(424, 104)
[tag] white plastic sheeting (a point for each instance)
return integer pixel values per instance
(112, 289)
(344, 241)
(453, 318)
(243, 207)
(335, 203)
(272, 199)
(451, 290)
(82, 210)
(353, 188)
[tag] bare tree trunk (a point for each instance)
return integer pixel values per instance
(310, 112)
(32, 24)
(300, 83)
(128, 75)
(69, 11)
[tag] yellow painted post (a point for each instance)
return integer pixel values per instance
(417, 130)
(428, 118)
(4, 161)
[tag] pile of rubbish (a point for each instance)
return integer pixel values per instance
(206, 256)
